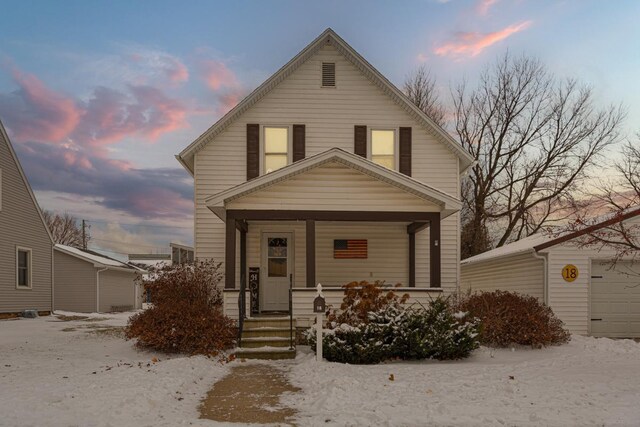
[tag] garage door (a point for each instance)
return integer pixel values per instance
(615, 301)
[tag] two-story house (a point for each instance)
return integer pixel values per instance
(326, 173)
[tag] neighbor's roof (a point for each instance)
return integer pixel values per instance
(540, 241)
(447, 203)
(328, 36)
(96, 258)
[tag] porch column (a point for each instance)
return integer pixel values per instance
(311, 253)
(412, 229)
(243, 258)
(434, 252)
(230, 254)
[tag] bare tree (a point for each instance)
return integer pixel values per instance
(65, 229)
(420, 88)
(619, 200)
(534, 138)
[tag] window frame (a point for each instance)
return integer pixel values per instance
(396, 145)
(263, 144)
(29, 267)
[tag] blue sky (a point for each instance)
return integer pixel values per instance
(99, 96)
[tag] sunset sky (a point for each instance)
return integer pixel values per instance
(98, 97)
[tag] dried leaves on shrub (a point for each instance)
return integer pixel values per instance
(362, 298)
(510, 318)
(186, 315)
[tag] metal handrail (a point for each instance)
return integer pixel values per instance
(242, 307)
(290, 311)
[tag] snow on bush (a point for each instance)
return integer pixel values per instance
(186, 315)
(396, 332)
(509, 318)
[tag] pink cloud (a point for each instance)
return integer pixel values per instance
(217, 75)
(484, 6)
(421, 57)
(227, 101)
(176, 70)
(473, 43)
(37, 112)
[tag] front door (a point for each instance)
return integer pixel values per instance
(277, 259)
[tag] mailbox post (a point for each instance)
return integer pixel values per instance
(319, 307)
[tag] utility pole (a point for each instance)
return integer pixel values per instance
(84, 235)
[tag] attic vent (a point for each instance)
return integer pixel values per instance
(328, 74)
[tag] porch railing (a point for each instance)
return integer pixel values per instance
(242, 306)
(290, 311)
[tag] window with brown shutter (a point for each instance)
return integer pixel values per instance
(360, 140)
(253, 151)
(405, 151)
(298, 142)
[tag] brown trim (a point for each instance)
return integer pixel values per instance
(360, 141)
(243, 259)
(416, 227)
(412, 260)
(311, 253)
(253, 151)
(230, 255)
(587, 230)
(435, 245)
(299, 215)
(298, 142)
(242, 225)
(404, 150)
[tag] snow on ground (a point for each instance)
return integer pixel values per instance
(586, 382)
(64, 373)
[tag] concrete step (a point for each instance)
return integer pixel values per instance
(257, 342)
(266, 332)
(268, 322)
(265, 353)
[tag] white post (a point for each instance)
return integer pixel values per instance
(319, 337)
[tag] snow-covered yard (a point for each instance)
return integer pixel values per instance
(77, 373)
(80, 372)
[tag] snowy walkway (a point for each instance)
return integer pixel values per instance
(250, 393)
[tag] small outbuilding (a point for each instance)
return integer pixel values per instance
(580, 284)
(86, 281)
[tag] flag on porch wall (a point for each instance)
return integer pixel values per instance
(350, 249)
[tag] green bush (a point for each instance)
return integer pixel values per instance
(394, 332)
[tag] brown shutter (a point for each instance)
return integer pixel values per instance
(298, 142)
(360, 141)
(253, 151)
(405, 151)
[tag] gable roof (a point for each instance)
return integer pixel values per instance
(5, 136)
(447, 203)
(539, 242)
(328, 36)
(96, 258)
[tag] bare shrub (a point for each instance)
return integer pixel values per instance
(186, 315)
(509, 318)
(362, 298)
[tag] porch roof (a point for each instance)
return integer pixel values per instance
(445, 203)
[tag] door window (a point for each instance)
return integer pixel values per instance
(277, 256)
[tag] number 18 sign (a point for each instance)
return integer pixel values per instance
(570, 273)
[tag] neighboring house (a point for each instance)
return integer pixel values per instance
(578, 283)
(87, 281)
(178, 254)
(181, 254)
(326, 173)
(26, 246)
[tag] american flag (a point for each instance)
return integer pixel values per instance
(349, 249)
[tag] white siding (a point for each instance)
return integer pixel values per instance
(521, 273)
(333, 186)
(75, 284)
(329, 116)
(116, 289)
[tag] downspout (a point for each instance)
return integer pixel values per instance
(545, 288)
(53, 279)
(98, 288)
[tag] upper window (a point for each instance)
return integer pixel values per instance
(328, 74)
(276, 148)
(383, 148)
(23, 268)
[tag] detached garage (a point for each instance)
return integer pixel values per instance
(579, 284)
(86, 281)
